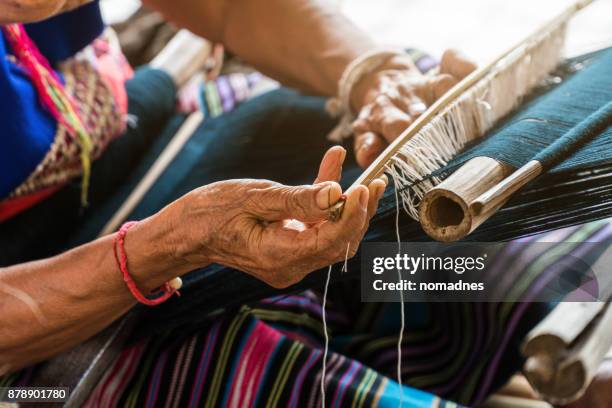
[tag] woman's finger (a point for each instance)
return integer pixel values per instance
(368, 146)
(304, 203)
(330, 168)
(363, 122)
(377, 188)
(437, 86)
(456, 64)
(329, 240)
(393, 122)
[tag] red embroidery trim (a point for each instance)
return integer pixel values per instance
(121, 257)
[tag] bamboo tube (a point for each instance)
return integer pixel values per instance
(445, 213)
(565, 350)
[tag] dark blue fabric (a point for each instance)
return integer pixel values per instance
(550, 114)
(64, 35)
(27, 128)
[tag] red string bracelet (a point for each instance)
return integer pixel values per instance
(163, 294)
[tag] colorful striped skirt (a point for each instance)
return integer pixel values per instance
(270, 353)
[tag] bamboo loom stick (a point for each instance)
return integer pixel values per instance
(163, 161)
(181, 58)
(564, 351)
(378, 167)
(472, 200)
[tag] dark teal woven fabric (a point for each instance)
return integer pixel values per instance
(593, 127)
(545, 118)
(577, 190)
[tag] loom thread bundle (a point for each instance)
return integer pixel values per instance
(565, 127)
(470, 116)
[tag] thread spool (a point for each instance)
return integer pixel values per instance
(445, 213)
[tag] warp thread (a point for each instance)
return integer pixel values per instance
(469, 117)
(325, 332)
(326, 335)
(400, 337)
(549, 114)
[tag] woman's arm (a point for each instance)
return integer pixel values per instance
(308, 44)
(50, 305)
(305, 43)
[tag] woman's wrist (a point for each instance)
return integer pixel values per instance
(150, 246)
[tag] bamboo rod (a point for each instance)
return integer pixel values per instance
(500, 193)
(485, 205)
(556, 152)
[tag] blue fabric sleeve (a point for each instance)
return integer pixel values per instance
(64, 35)
(27, 130)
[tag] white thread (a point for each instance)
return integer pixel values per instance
(326, 335)
(326, 349)
(469, 117)
(402, 315)
(346, 256)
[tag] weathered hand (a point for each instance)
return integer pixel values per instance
(274, 232)
(390, 99)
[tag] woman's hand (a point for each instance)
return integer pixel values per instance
(389, 100)
(274, 232)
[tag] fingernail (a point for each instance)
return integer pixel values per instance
(342, 156)
(417, 108)
(323, 197)
(381, 191)
(365, 145)
(363, 199)
(327, 196)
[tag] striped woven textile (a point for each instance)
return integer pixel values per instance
(270, 353)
